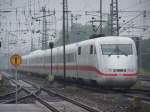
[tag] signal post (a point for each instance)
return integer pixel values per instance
(16, 60)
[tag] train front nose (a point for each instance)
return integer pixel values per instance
(120, 71)
(119, 63)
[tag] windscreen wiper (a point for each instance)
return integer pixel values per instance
(115, 50)
(118, 51)
(122, 52)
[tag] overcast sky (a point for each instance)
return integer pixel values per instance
(9, 21)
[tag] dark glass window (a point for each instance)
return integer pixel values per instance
(79, 50)
(117, 49)
(91, 49)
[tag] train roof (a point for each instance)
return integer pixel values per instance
(34, 53)
(108, 40)
(104, 40)
(119, 39)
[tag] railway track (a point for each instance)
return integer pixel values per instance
(61, 97)
(131, 94)
(144, 78)
(144, 95)
(144, 81)
(47, 97)
(8, 96)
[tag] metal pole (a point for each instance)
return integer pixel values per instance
(51, 45)
(140, 55)
(16, 78)
(8, 50)
(101, 17)
(67, 24)
(64, 34)
(51, 61)
(44, 34)
(31, 41)
(114, 17)
(71, 22)
(111, 18)
(117, 18)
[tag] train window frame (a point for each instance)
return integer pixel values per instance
(79, 50)
(117, 45)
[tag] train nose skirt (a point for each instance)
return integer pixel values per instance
(120, 82)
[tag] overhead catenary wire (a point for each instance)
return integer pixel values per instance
(136, 5)
(131, 20)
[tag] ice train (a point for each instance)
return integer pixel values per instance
(106, 61)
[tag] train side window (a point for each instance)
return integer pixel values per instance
(91, 49)
(79, 50)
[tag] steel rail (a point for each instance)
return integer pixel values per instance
(19, 99)
(86, 107)
(33, 95)
(50, 107)
(79, 104)
(9, 94)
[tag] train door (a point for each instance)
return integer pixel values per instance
(82, 61)
(78, 59)
(91, 59)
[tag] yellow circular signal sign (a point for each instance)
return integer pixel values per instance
(15, 60)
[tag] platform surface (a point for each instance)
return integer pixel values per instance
(21, 108)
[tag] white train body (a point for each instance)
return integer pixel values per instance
(107, 61)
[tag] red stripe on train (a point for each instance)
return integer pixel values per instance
(83, 68)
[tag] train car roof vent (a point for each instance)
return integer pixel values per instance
(96, 36)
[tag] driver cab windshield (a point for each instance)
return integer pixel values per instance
(117, 49)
